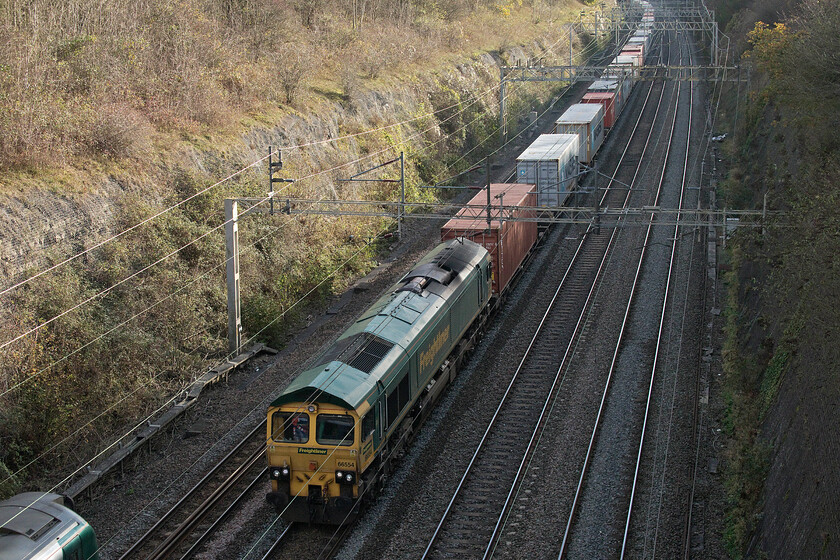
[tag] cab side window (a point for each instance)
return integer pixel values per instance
(369, 423)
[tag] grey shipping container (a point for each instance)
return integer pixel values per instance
(550, 163)
(587, 121)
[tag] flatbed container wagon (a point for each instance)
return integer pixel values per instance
(508, 242)
(550, 163)
(587, 121)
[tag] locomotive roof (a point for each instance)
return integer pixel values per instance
(374, 346)
(29, 520)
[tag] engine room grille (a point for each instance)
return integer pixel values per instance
(370, 354)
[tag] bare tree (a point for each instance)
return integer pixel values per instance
(294, 65)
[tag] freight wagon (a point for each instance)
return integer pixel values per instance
(550, 163)
(587, 121)
(609, 101)
(508, 242)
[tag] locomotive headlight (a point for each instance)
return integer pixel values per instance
(279, 473)
(312, 408)
(345, 477)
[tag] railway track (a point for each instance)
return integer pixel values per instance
(595, 488)
(182, 530)
(491, 479)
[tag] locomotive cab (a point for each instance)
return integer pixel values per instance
(313, 457)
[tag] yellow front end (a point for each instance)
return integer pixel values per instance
(313, 459)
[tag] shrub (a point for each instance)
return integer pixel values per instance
(119, 131)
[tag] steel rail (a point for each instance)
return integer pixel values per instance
(278, 542)
(503, 401)
(335, 542)
(165, 549)
(194, 490)
(662, 316)
(228, 510)
(540, 426)
(622, 330)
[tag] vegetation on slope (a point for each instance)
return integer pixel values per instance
(784, 286)
(155, 97)
(91, 79)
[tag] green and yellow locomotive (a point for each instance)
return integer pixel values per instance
(333, 433)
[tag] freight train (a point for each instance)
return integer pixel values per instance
(335, 432)
(43, 526)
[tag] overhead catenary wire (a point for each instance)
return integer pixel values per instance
(210, 230)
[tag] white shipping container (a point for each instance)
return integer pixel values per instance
(640, 36)
(623, 59)
(550, 163)
(587, 121)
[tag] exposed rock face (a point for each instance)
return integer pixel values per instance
(40, 223)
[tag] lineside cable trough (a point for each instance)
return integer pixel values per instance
(143, 435)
